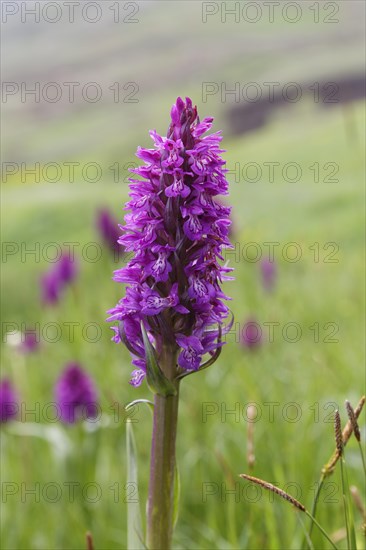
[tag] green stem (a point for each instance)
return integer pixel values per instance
(321, 529)
(363, 457)
(313, 510)
(351, 535)
(345, 504)
(315, 503)
(306, 534)
(160, 508)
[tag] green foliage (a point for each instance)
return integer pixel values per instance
(135, 535)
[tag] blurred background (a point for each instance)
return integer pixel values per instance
(83, 82)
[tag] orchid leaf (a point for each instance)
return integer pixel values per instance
(156, 380)
(134, 524)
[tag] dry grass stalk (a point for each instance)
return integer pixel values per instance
(276, 490)
(358, 502)
(353, 420)
(339, 535)
(251, 413)
(338, 433)
(346, 434)
(89, 541)
(226, 468)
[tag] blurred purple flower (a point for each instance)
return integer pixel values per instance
(108, 230)
(177, 231)
(53, 282)
(269, 272)
(76, 395)
(66, 269)
(8, 401)
(251, 334)
(50, 287)
(29, 341)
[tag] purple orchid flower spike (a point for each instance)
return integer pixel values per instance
(269, 273)
(29, 341)
(66, 268)
(54, 281)
(177, 229)
(173, 314)
(8, 401)
(76, 395)
(251, 334)
(108, 230)
(50, 288)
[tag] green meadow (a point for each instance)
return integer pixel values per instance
(296, 191)
(302, 372)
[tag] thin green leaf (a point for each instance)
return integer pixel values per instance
(351, 533)
(149, 404)
(321, 529)
(134, 525)
(306, 534)
(314, 507)
(362, 457)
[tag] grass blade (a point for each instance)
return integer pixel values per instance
(351, 533)
(286, 496)
(134, 525)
